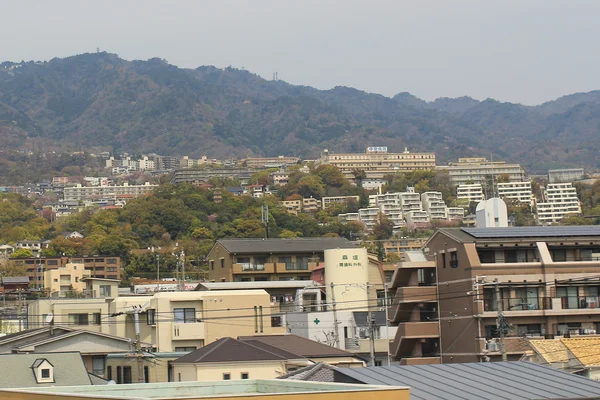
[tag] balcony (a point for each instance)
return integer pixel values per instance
(190, 331)
(416, 294)
(418, 330)
(251, 268)
(518, 304)
(294, 267)
(420, 361)
(579, 302)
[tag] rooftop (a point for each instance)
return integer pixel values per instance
(485, 381)
(255, 285)
(257, 389)
(582, 351)
(299, 345)
(470, 235)
(297, 245)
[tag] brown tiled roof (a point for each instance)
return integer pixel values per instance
(299, 345)
(585, 349)
(232, 350)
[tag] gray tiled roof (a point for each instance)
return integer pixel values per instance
(15, 279)
(485, 381)
(299, 345)
(318, 372)
(16, 372)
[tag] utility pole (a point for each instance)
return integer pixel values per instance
(265, 220)
(182, 256)
(336, 328)
(500, 323)
(370, 322)
(387, 318)
(139, 354)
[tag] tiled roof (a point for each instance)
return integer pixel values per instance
(586, 350)
(299, 345)
(553, 351)
(318, 372)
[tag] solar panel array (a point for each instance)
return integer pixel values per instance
(533, 231)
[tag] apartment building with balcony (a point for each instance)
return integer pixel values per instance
(565, 175)
(480, 170)
(269, 162)
(330, 201)
(368, 216)
(100, 192)
(108, 267)
(559, 200)
(244, 260)
(377, 162)
(402, 246)
(520, 191)
(434, 204)
(543, 280)
(66, 280)
(471, 192)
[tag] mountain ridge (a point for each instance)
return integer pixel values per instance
(98, 100)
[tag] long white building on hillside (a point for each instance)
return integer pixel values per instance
(560, 200)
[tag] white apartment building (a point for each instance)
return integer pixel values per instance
(349, 217)
(520, 191)
(145, 164)
(417, 218)
(479, 170)
(471, 192)
(410, 201)
(86, 193)
(560, 199)
(394, 213)
(330, 201)
(434, 204)
(456, 213)
(368, 216)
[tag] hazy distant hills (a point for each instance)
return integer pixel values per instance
(101, 101)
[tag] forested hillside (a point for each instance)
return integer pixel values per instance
(99, 101)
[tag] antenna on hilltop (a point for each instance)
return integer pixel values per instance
(275, 76)
(97, 49)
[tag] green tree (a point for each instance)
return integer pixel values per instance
(21, 253)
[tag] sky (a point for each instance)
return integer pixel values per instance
(511, 50)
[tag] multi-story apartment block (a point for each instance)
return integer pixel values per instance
(394, 214)
(559, 200)
(565, 175)
(480, 170)
(145, 164)
(417, 218)
(97, 192)
(310, 205)
(191, 175)
(368, 216)
(434, 204)
(456, 213)
(539, 281)
(165, 163)
(471, 192)
(349, 217)
(520, 191)
(376, 162)
(280, 178)
(99, 266)
(410, 201)
(402, 246)
(244, 260)
(269, 162)
(329, 201)
(292, 206)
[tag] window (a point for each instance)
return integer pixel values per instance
(104, 290)
(98, 365)
(146, 374)
(126, 374)
(111, 260)
(78, 319)
(276, 321)
(119, 376)
(52, 262)
(212, 264)
(151, 317)
(186, 349)
(226, 376)
(453, 260)
(244, 375)
(529, 330)
(109, 373)
(443, 258)
(184, 315)
(222, 260)
(96, 318)
(46, 373)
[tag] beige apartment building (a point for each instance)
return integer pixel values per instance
(331, 201)
(560, 200)
(376, 162)
(269, 162)
(542, 282)
(66, 280)
(245, 260)
(102, 192)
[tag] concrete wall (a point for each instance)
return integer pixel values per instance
(348, 270)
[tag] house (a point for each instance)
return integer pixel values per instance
(94, 347)
(155, 367)
(481, 380)
(309, 349)
(15, 283)
(6, 249)
(67, 280)
(90, 314)
(43, 370)
(72, 235)
(575, 355)
(268, 259)
(231, 359)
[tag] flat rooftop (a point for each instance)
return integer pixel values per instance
(260, 388)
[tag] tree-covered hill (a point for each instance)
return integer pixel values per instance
(94, 101)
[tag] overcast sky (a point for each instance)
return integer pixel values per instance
(518, 51)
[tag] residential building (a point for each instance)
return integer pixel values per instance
(232, 260)
(369, 217)
(80, 313)
(434, 204)
(43, 370)
(559, 200)
(349, 217)
(312, 350)
(565, 175)
(417, 219)
(99, 266)
(480, 170)
(330, 201)
(155, 367)
(230, 359)
(577, 355)
(165, 163)
(456, 213)
(256, 389)
(376, 162)
(280, 178)
(66, 280)
(519, 191)
(100, 192)
(145, 164)
(401, 246)
(310, 205)
(193, 175)
(269, 162)
(186, 321)
(492, 213)
(544, 281)
(471, 192)
(292, 206)
(485, 381)
(186, 162)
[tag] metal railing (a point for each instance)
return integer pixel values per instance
(301, 266)
(518, 304)
(574, 258)
(252, 267)
(579, 302)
